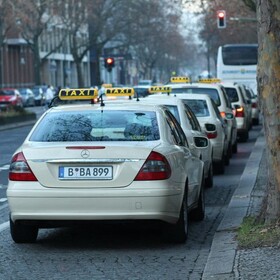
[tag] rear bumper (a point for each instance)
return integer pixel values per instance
(95, 205)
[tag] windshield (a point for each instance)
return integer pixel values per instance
(6, 92)
(111, 125)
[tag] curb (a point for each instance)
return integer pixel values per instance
(220, 262)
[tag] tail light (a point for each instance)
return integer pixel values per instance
(223, 114)
(211, 131)
(211, 135)
(240, 112)
(254, 105)
(156, 167)
(20, 170)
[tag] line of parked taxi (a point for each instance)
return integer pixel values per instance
(117, 157)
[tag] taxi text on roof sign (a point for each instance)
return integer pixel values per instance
(78, 94)
(180, 80)
(107, 85)
(119, 92)
(159, 89)
(209, 80)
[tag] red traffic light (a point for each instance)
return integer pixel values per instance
(221, 14)
(110, 61)
(221, 18)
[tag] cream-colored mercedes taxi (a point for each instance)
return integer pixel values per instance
(88, 162)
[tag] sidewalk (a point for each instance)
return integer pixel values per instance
(226, 261)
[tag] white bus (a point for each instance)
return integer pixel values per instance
(238, 63)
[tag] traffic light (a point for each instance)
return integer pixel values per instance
(221, 18)
(109, 63)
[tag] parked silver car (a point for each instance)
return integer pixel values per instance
(28, 97)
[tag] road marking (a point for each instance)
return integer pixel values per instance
(4, 226)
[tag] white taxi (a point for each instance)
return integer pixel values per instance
(216, 91)
(86, 162)
(190, 126)
(208, 115)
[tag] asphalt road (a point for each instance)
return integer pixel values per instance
(114, 251)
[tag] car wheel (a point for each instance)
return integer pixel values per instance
(209, 178)
(22, 233)
(234, 147)
(244, 137)
(256, 121)
(178, 232)
(198, 213)
(219, 167)
(228, 155)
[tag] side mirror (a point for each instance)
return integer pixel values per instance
(201, 142)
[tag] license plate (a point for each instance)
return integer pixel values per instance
(85, 173)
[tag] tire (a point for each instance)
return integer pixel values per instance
(209, 179)
(198, 213)
(244, 136)
(228, 155)
(234, 147)
(256, 121)
(219, 167)
(22, 233)
(177, 233)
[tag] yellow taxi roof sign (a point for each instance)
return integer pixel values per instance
(107, 85)
(155, 89)
(209, 80)
(181, 79)
(119, 92)
(78, 94)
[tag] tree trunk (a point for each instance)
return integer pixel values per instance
(80, 76)
(37, 62)
(269, 90)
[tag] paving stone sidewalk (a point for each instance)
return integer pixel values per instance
(259, 263)
(226, 261)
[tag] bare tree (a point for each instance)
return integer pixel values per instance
(6, 22)
(154, 36)
(241, 25)
(269, 86)
(90, 25)
(33, 17)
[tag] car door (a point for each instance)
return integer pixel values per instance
(197, 132)
(194, 166)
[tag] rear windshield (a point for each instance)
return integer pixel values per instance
(213, 93)
(97, 126)
(232, 94)
(199, 107)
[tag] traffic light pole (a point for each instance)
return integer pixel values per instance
(243, 19)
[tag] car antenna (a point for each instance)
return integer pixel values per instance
(52, 103)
